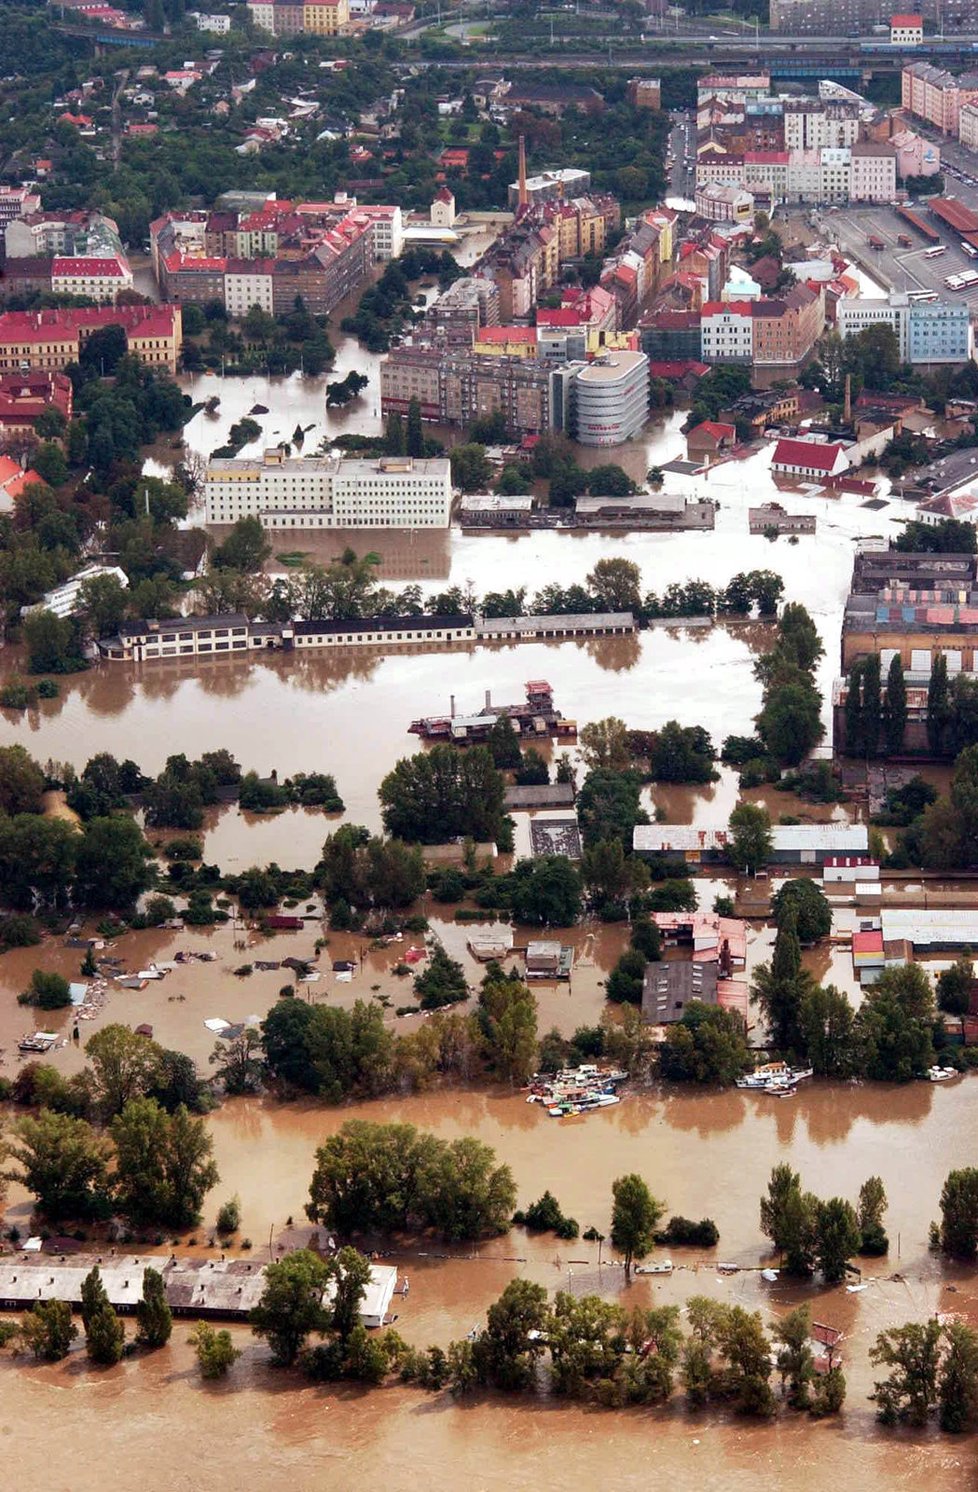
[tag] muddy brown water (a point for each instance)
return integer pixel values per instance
(703, 1153)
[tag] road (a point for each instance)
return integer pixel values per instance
(682, 147)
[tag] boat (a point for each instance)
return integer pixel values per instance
(780, 1090)
(665, 1267)
(771, 1275)
(942, 1074)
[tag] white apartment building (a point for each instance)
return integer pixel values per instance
(727, 334)
(818, 124)
(306, 492)
(968, 126)
(100, 279)
(246, 287)
(874, 173)
(219, 23)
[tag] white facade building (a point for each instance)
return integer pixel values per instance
(247, 287)
(65, 599)
(306, 492)
(727, 335)
(873, 173)
(929, 333)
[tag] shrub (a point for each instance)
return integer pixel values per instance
(683, 1232)
(229, 1217)
(545, 1216)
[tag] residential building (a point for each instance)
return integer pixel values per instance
(933, 94)
(304, 492)
(219, 24)
(610, 398)
(325, 17)
(455, 387)
(906, 30)
(13, 479)
(873, 172)
(727, 332)
(929, 334)
(709, 439)
(17, 202)
(670, 336)
(724, 204)
(968, 126)
(49, 340)
(736, 87)
(917, 156)
(25, 396)
(465, 306)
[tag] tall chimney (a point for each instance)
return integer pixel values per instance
(452, 698)
(524, 200)
(847, 407)
(488, 700)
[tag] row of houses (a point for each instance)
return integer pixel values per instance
(47, 341)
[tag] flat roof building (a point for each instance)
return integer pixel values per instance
(304, 492)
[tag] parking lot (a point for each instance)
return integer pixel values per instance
(899, 268)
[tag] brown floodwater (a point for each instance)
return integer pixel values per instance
(702, 1153)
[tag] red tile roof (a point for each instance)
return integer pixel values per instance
(817, 455)
(104, 268)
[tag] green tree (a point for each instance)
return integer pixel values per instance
(64, 1164)
(585, 1335)
(124, 1066)
(48, 1330)
(547, 892)
(105, 1335)
(53, 643)
(895, 708)
(869, 1216)
(414, 435)
(104, 602)
(616, 585)
(795, 1361)
(21, 782)
(506, 1351)
(607, 873)
(871, 711)
(750, 837)
(443, 794)
(938, 706)
(781, 986)
(164, 1167)
(605, 744)
(609, 806)
(47, 990)
(504, 744)
(112, 868)
(790, 723)
(215, 1350)
(838, 1236)
(708, 1045)
(350, 1276)
(635, 1215)
(813, 915)
(471, 471)
(246, 548)
(959, 1214)
(855, 726)
(747, 1351)
(443, 982)
(912, 1354)
(508, 1021)
(957, 1379)
(291, 1307)
(153, 1314)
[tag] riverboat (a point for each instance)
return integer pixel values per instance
(535, 717)
(666, 1267)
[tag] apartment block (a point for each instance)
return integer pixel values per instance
(49, 340)
(933, 94)
(928, 334)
